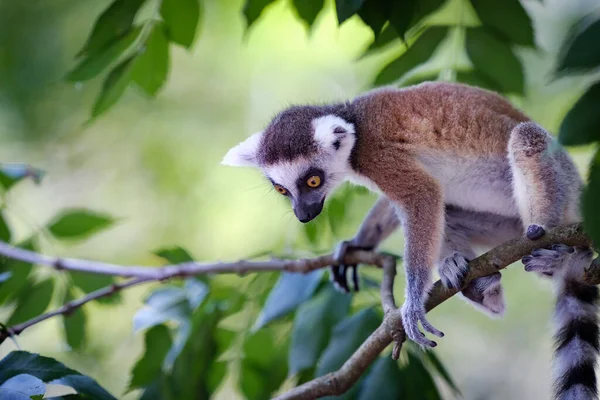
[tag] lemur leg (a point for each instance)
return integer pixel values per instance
(465, 229)
(379, 223)
(546, 185)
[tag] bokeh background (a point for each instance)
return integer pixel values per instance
(154, 165)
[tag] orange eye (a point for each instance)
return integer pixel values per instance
(281, 189)
(313, 181)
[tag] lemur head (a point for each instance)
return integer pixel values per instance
(304, 152)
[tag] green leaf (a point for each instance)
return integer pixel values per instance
(581, 125)
(76, 223)
(347, 336)
(418, 382)
(291, 290)
(74, 324)
(253, 9)
(474, 78)
(437, 365)
(383, 381)
(95, 63)
(19, 271)
(313, 324)
(418, 53)
(400, 15)
(22, 387)
(495, 60)
(114, 23)
(422, 9)
(91, 282)
(308, 9)
(175, 255)
(507, 18)
(375, 14)
(32, 302)
(151, 66)
(581, 52)
(387, 36)
(11, 174)
(181, 18)
(5, 234)
(591, 199)
(85, 386)
(149, 366)
(113, 87)
(346, 8)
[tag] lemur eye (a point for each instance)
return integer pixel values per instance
(313, 181)
(281, 189)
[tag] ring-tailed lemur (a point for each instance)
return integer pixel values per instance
(457, 166)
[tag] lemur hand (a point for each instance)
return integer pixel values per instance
(338, 273)
(413, 312)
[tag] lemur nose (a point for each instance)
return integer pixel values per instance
(307, 212)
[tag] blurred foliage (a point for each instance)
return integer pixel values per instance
(202, 335)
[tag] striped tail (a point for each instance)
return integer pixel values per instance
(576, 337)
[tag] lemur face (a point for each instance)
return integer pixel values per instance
(304, 152)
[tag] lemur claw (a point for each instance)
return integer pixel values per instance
(339, 272)
(453, 271)
(410, 319)
(547, 261)
(534, 232)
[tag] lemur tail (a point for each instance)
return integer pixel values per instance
(577, 328)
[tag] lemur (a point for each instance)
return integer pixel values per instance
(457, 166)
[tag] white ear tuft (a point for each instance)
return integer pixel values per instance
(244, 154)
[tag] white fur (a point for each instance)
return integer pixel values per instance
(324, 127)
(287, 172)
(244, 154)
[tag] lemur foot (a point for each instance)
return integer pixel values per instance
(339, 273)
(411, 315)
(453, 271)
(487, 293)
(547, 261)
(534, 232)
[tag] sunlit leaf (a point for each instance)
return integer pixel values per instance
(291, 290)
(114, 23)
(10, 174)
(441, 370)
(313, 324)
(74, 324)
(174, 255)
(308, 9)
(253, 9)
(581, 125)
(181, 18)
(92, 282)
(76, 223)
(22, 387)
(151, 66)
(417, 54)
(19, 272)
(346, 8)
(495, 60)
(32, 302)
(5, 234)
(96, 63)
(591, 199)
(384, 381)
(148, 367)
(113, 87)
(508, 18)
(581, 52)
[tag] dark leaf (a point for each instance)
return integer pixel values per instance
(181, 18)
(19, 271)
(5, 234)
(418, 382)
(581, 52)
(174, 255)
(375, 14)
(474, 78)
(91, 282)
(313, 324)
(423, 8)
(151, 66)
(95, 63)
(13, 173)
(114, 23)
(346, 8)
(495, 60)
(591, 199)
(77, 223)
(22, 387)
(291, 290)
(253, 9)
(418, 53)
(148, 367)
(437, 365)
(582, 123)
(387, 36)
(507, 18)
(74, 324)
(400, 15)
(308, 9)
(383, 381)
(32, 302)
(85, 386)
(113, 87)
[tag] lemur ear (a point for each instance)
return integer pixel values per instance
(244, 154)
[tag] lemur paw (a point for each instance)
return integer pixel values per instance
(411, 315)
(487, 293)
(534, 232)
(547, 261)
(453, 271)
(339, 273)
